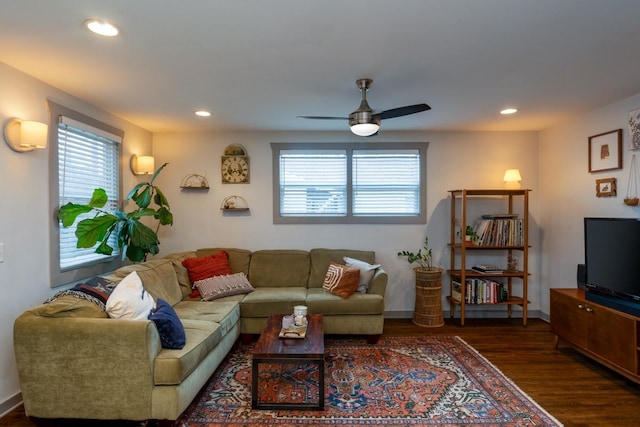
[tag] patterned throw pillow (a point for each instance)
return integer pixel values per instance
(341, 280)
(366, 272)
(129, 300)
(169, 326)
(223, 286)
(200, 268)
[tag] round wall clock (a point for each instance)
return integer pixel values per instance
(235, 169)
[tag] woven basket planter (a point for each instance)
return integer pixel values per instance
(428, 307)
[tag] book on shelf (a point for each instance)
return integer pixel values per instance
(487, 268)
(456, 291)
(480, 291)
(499, 230)
(500, 216)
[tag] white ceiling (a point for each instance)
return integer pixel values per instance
(257, 64)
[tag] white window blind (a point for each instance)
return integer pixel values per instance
(349, 183)
(88, 158)
(313, 183)
(386, 182)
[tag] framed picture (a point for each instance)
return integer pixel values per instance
(634, 129)
(606, 187)
(605, 151)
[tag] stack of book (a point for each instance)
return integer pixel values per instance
(480, 291)
(499, 230)
(487, 268)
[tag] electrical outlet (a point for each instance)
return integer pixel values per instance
(1, 252)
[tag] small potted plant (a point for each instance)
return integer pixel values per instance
(423, 259)
(428, 309)
(471, 237)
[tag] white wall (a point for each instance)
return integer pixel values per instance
(454, 160)
(24, 211)
(553, 164)
(568, 191)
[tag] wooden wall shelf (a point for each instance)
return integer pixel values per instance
(234, 204)
(194, 182)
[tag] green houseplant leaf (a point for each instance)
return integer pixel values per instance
(423, 259)
(135, 239)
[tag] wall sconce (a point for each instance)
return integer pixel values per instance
(142, 165)
(25, 135)
(512, 179)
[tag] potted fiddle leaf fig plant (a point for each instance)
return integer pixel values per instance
(135, 239)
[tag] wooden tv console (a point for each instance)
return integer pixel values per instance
(608, 336)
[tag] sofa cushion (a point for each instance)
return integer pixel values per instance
(173, 366)
(366, 272)
(158, 277)
(225, 313)
(341, 280)
(279, 268)
(169, 326)
(319, 301)
(320, 259)
(181, 271)
(263, 302)
(239, 259)
(221, 286)
(68, 306)
(129, 300)
(205, 324)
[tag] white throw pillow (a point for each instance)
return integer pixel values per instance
(129, 300)
(366, 272)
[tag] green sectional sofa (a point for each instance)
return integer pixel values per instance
(75, 362)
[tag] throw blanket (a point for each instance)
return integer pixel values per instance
(97, 290)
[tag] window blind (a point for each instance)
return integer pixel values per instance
(386, 182)
(313, 183)
(87, 159)
(349, 183)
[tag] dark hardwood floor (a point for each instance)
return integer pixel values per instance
(574, 389)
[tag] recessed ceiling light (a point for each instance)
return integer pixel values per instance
(202, 113)
(509, 111)
(102, 28)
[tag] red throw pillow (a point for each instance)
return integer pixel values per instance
(207, 266)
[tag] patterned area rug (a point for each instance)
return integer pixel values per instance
(408, 381)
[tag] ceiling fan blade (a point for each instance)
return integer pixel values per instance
(402, 111)
(322, 118)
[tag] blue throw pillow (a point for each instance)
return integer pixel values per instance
(169, 325)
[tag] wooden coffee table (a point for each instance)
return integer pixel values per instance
(270, 348)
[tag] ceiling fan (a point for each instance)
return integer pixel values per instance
(363, 121)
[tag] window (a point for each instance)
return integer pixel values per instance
(85, 155)
(363, 183)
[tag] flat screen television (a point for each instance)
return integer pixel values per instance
(612, 258)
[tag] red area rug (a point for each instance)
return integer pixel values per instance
(408, 381)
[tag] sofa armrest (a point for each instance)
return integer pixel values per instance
(65, 362)
(378, 284)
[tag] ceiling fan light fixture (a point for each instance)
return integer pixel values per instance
(365, 129)
(363, 122)
(102, 28)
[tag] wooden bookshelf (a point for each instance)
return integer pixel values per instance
(464, 253)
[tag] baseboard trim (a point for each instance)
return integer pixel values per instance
(487, 313)
(10, 404)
